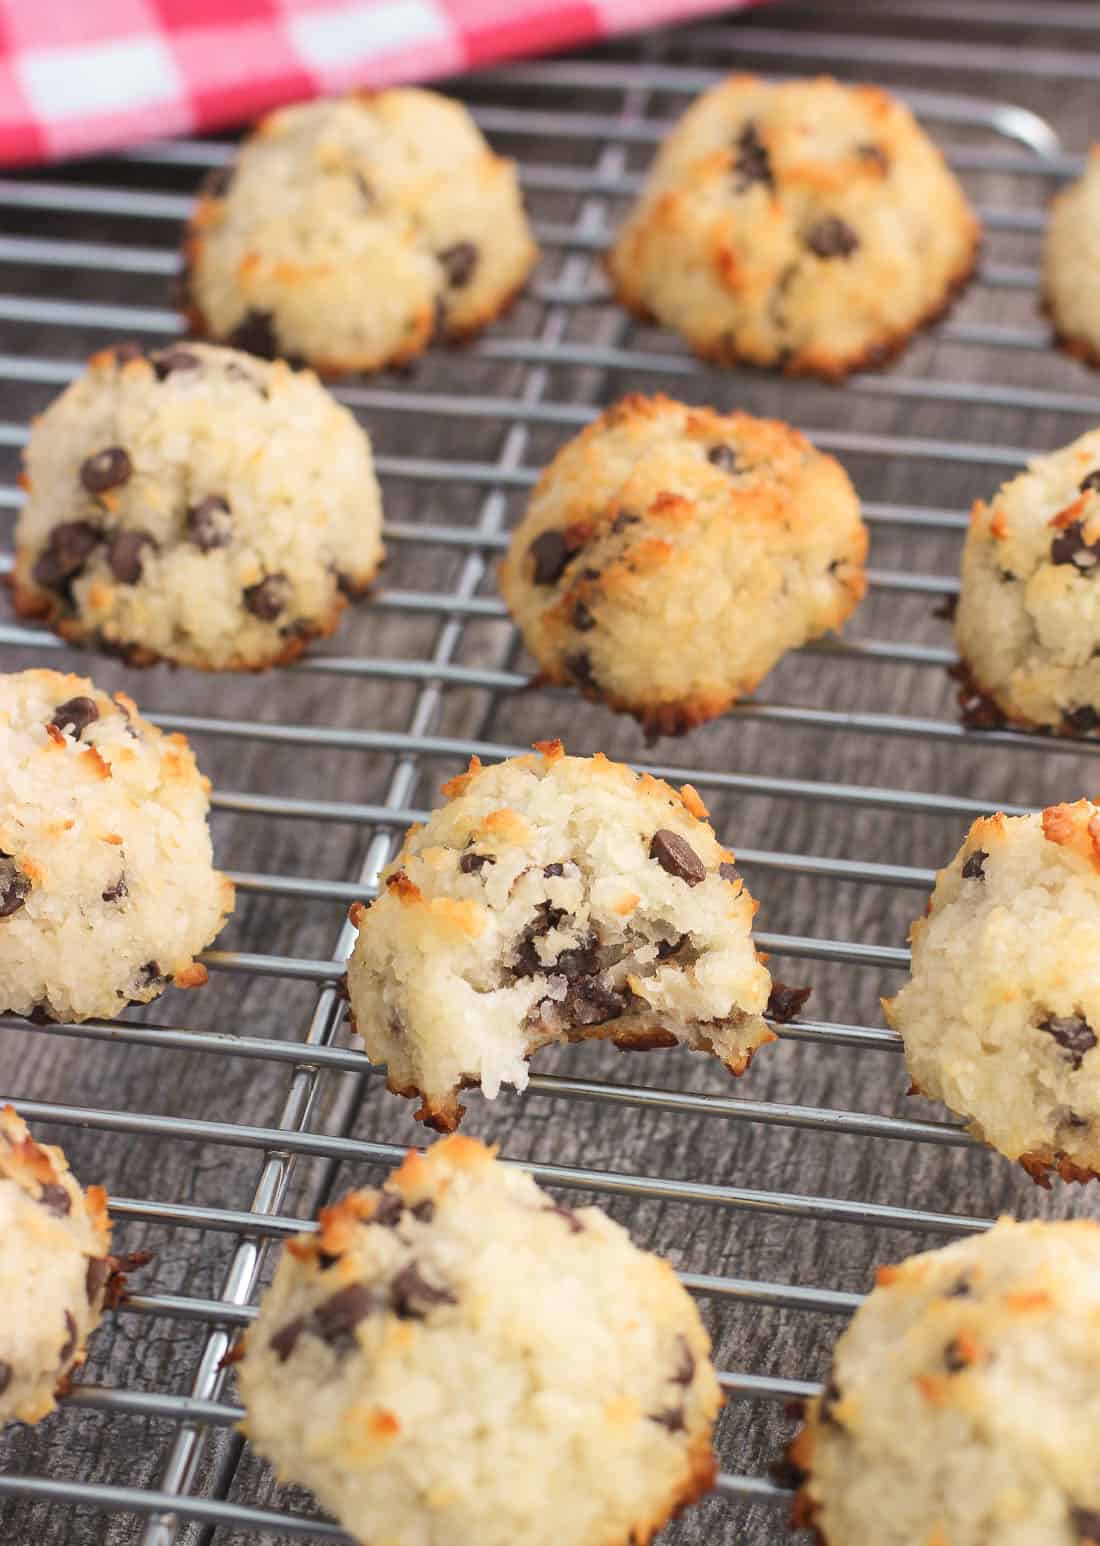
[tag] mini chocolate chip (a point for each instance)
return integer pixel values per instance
(116, 892)
(389, 1208)
(107, 469)
(458, 264)
(15, 887)
(960, 1289)
(684, 1372)
(671, 1418)
(559, 1208)
(255, 334)
(1072, 1033)
(830, 1398)
(583, 621)
(784, 1002)
(126, 555)
(553, 870)
(1086, 1521)
(6, 1372)
(69, 1345)
(210, 524)
(669, 947)
(676, 856)
(1090, 482)
(590, 574)
(55, 1199)
(166, 362)
(1073, 1120)
(95, 1277)
(974, 868)
(337, 1318)
(729, 872)
(832, 238)
(269, 598)
(148, 974)
(424, 1210)
(470, 863)
(623, 520)
(76, 714)
(579, 667)
(327, 1259)
(953, 1358)
(285, 1339)
(551, 554)
(723, 457)
(751, 163)
(65, 554)
(1082, 719)
(413, 1296)
(1070, 547)
(874, 155)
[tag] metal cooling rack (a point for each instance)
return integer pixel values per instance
(583, 128)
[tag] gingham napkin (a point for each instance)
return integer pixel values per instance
(78, 76)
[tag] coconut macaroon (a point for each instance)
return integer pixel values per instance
(54, 1270)
(670, 556)
(1071, 264)
(107, 887)
(196, 506)
(1028, 621)
(350, 232)
(963, 1404)
(811, 226)
(553, 899)
(402, 1368)
(998, 1015)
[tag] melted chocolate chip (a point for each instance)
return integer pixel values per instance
(107, 469)
(551, 555)
(528, 962)
(960, 1289)
(458, 263)
(559, 1208)
(1072, 1033)
(269, 598)
(149, 974)
(784, 1002)
(210, 524)
(1086, 1521)
(751, 163)
(413, 1296)
(65, 554)
(75, 715)
(1070, 547)
(553, 870)
(1083, 719)
(730, 872)
(6, 1372)
(1073, 1120)
(832, 238)
(126, 555)
(424, 1210)
(684, 1372)
(954, 1360)
(874, 155)
(95, 1277)
(1090, 482)
(69, 1346)
(255, 334)
(583, 621)
(116, 892)
(671, 1418)
(723, 457)
(15, 887)
(579, 666)
(470, 863)
(974, 868)
(335, 1319)
(285, 1339)
(389, 1209)
(669, 947)
(676, 856)
(55, 1199)
(166, 362)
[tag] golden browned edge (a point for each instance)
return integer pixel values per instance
(796, 1462)
(1070, 343)
(1040, 1167)
(334, 370)
(988, 713)
(875, 357)
(33, 604)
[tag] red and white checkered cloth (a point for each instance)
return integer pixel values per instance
(78, 76)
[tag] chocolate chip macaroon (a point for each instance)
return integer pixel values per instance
(811, 226)
(348, 233)
(107, 885)
(1001, 1014)
(402, 1368)
(195, 505)
(670, 556)
(553, 899)
(55, 1270)
(962, 1404)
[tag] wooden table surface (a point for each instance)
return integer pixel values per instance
(971, 50)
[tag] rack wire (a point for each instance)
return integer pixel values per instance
(434, 675)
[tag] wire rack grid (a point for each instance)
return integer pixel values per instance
(775, 1197)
